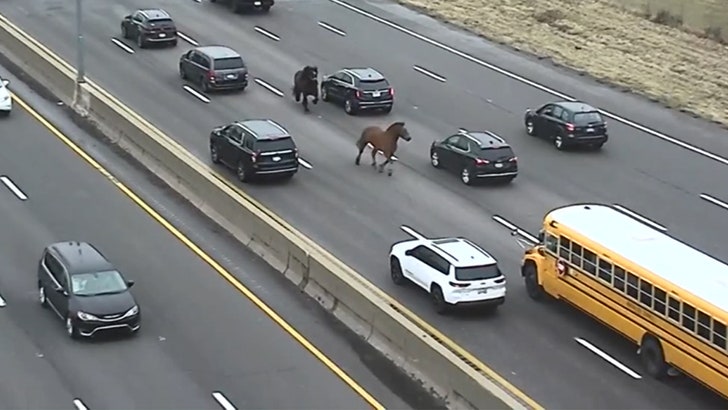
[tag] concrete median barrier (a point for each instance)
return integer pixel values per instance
(406, 339)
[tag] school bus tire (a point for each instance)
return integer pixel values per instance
(653, 358)
(530, 278)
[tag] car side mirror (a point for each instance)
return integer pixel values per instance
(127, 17)
(6, 83)
(129, 283)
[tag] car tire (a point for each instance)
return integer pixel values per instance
(438, 300)
(435, 159)
(325, 95)
(266, 9)
(598, 147)
(466, 177)
(173, 43)
(204, 85)
(241, 172)
(530, 128)
(124, 33)
(653, 358)
(350, 107)
(42, 296)
(214, 154)
(182, 73)
(530, 279)
(395, 272)
(71, 330)
(235, 6)
(141, 43)
(387, 109)
(559, 143)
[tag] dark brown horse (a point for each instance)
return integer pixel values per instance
(305, 84)
(384, 141)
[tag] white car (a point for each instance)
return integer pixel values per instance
(454, 271)
(6, 102)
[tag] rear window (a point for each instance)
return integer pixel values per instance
(161, 22)
(374, 85)
(496, 153)
(230, 63)
(477, 272)
(279, 144)
(586, 118)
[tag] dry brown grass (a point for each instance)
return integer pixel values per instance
(609, 41)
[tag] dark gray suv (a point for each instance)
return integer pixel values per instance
(214, 68)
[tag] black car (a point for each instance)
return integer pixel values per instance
(149, 26)
(214, 68)
(475, 155)
(358, 89)
(568, 124)
(85, 290)
(236, 6)
(255, 148)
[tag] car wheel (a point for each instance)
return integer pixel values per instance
(235, 6)
(182, 73)
(530, 278)
(173, 43)
(653, 358)
(387, 109)
(465, 176)
(530, 128)
(140, 41)
(438, 300)
(124, 33)
(71, 330)
(204, 85)
(214, 154)
(349, 107)
(395, 272)
(434, 159)
(559, 143)
(241, 172)
(598, 147)
(42, 296)
(266, 9)
(324, 94)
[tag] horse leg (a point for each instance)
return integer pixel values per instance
(374, 157)
(297, 94)
(315, 98)
(305, 103)
(358, 157)
(383, 164)
(389, 168)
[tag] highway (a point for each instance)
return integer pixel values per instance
(199, 334)
(355, 212)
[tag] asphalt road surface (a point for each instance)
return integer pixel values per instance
(355, 212)
(199, 334)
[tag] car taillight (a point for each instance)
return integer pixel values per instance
(514, 159)
(480, 161)
(254, 158)
(391, 91)
(211, 75)
(295, 152)
(358, 93)
(459, 285)
(570, 127)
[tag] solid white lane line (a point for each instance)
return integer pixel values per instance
(122, 46)
(714, 201)
(332, 29)
(514, 228)
(269, 87)
(79, 404)
(643, 219)
(187, 38)
(2, 302)
(305, 163)
(196, 94)
(267, 33)
(429, 73)
(394, 157)
(13, 188)
(223, 401)
(412, 232)
(609, 359)
(528, 82)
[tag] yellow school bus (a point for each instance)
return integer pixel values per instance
(667, 297)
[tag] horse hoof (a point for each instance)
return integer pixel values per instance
(389, 173)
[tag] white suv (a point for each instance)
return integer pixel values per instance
(6, 101)
(455, 271)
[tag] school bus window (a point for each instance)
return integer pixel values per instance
(673, 311)
(590, 262)
(632, 286)
(565, 249)
(619, 278)
(576, 254)
(552, 242)
(605, 271)
(660, 301)
(719, 334)
(703, 325)
(688, 317)
(646, 293)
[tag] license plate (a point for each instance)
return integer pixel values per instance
(231, 76)
(377, 94)
(276, 159)
(482, 291)
(161, 35)
(499, 165)
(590, 130)
(257, 3)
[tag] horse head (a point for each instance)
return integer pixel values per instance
(310, 73)
(400, 131)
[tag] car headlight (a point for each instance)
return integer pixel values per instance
(86, 316)
(133, 311)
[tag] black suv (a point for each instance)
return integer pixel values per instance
(149, 26)
(254, 147)
(236, 6)
(358, 89)
(82, 287)
(214, 68)
(568, 124)
(475, 155)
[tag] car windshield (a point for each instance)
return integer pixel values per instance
(374, 85)
(161, 22)
(477, 272)
(586, 118)
(280, 144)
(496, 153)
(97, 283)
(230, 63)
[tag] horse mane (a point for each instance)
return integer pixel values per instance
(398, 123)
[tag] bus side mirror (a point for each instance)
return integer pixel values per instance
(540, 236)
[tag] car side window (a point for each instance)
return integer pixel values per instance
(557, 112)
(546, 110)
(438, 263)
(137, 17)
(458, 141)
(566, 116)
(248, 141)
(204, 61)
(346, 78)
(55, 268)
(235, 134)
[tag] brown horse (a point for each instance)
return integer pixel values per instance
(384, 141)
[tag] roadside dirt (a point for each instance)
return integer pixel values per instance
(612, 44)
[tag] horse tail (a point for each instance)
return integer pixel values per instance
(361, 142)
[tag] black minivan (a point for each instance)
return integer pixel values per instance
(214, 68)
(85, 290)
